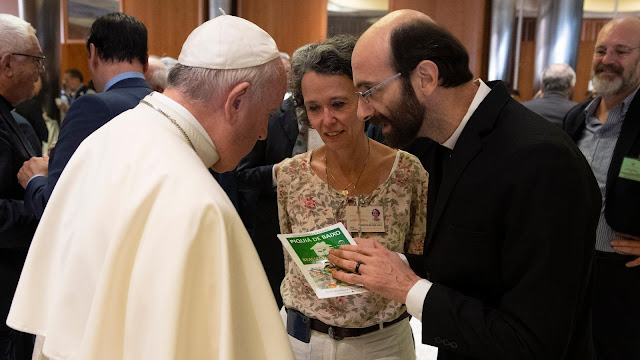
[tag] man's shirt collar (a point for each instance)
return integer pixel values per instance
(119, 77)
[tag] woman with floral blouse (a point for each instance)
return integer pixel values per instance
(350, 173)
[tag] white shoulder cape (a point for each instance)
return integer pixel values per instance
(141, 255)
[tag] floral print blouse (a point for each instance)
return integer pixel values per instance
(305, 203)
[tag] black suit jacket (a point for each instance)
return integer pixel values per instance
(17, 224)
(32, 111)
(430, 154)
(621, 209)
(258, 205)
(87, 114)
(512, 239)
(254, 170)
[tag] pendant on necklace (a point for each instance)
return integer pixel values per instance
(345, 192)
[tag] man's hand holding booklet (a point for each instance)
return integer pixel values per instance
(309, 251)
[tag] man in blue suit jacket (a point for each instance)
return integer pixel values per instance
(117, 47)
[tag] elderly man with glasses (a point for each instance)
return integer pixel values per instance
(505, 272)
(21, 63)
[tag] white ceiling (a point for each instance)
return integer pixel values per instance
(592, 8)
(367, 5)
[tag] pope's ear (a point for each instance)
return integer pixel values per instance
(5, 64)
(237, 100)
(427, 76)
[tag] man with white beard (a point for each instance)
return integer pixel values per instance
(607, 130)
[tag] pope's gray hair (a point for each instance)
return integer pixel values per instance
(202, 84)
(14, 34)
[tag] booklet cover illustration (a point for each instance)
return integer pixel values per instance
(310, 250)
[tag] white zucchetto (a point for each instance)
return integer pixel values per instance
(228, 42)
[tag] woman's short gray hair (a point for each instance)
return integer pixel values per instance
(203, 84)
(14, 34)
(328, 57)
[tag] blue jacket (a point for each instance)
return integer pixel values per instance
(87, 113)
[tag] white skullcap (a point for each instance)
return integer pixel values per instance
(228, 42)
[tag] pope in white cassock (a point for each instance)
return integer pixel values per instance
(140, 254)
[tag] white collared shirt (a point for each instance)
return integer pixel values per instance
(483, 91)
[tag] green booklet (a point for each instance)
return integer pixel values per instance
(310, 250)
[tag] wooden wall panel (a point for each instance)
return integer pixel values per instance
(468, 20)
(526, 70)
(291, 23)
(526, 67)
(583, 69)
(588, 36)
(9, 7)
(168, 22)
(75, 56)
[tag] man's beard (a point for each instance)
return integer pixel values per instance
(617, 85)
(404, 120)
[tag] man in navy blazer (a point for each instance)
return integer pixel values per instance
(21, 63)
(117, 47)
(506, 268)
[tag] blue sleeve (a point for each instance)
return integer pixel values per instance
(85, 116)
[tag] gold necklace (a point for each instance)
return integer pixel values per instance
(345, 190)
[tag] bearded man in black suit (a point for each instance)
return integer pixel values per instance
(506, 269)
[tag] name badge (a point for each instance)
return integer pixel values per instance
(371, 219)
(630, 169)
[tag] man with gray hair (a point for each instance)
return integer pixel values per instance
(139, 253)
(157, 74)
(21, 63)
(607, 130)
(558, 81)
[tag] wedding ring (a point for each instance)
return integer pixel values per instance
(357, 271)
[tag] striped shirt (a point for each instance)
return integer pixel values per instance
(597, 143)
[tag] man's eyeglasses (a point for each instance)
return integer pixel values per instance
(365, 95)
(40, 59)
(618, 50)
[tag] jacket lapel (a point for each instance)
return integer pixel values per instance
(628, 135)
(573, 128)
(11, 123)
(467, 147)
